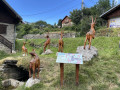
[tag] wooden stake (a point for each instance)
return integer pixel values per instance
(77, 74)
(61, 74)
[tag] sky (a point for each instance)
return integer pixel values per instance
(47, 10)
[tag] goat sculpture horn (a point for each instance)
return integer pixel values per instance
(92, 19)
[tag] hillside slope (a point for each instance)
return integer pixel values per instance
(102, 73)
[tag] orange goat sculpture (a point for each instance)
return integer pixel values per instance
(24, 49)
(34, 64)
(91, 34)
(47, 43)
(61, 43)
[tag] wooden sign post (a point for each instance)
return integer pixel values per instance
(72, 59)
(77, 74)
(61, 74)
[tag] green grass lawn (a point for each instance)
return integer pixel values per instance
(101, 73)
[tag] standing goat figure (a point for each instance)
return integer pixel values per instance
(47, 43)
(34, 64)
(91, 34)
(61, 43)
(24, 49)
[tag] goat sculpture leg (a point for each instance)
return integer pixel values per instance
(38, 72)
(26, 51)
(85, 42)
(45, 47)
(61, 48)
(90, 42)
(30, 67)
(33, 68)
(23, 51)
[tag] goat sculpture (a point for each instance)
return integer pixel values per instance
(34, 64)
(91, 34)
(47, 43)
(24, 49)
(61, 43)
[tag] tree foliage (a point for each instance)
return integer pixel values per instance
(82, 18)
(60, 22)
(32, 28)
(76, 16)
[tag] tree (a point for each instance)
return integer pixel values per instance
(41, 23)
(114, 3)
(76, 16)
(103, 6)
(23, 29)
(86, 12)
(94, 10)
(60, 22)
(55, 25)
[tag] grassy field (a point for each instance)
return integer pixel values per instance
(101, 73)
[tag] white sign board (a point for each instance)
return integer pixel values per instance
(115, 22)
(69, 58)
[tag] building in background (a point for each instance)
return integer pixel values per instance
(112, 16)
(8, 21)
(67, 22)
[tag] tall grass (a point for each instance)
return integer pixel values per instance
(101, 73)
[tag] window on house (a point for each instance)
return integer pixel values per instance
(3, 29)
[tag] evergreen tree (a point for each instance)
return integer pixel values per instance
(113, 3)
(103, 6)
(76, 16)
(60, 22)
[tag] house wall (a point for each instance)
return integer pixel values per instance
(4, 48)
(114, 19)
(10, 33)
(114, 22)
(67, 22)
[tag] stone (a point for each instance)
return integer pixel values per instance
(52, 35)
(14, 52)
(10, 62)
(12, 83)
(86, 53)
(48, 51)
(30, 82)
(1, 69)
(23, 55)
(11, 70)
